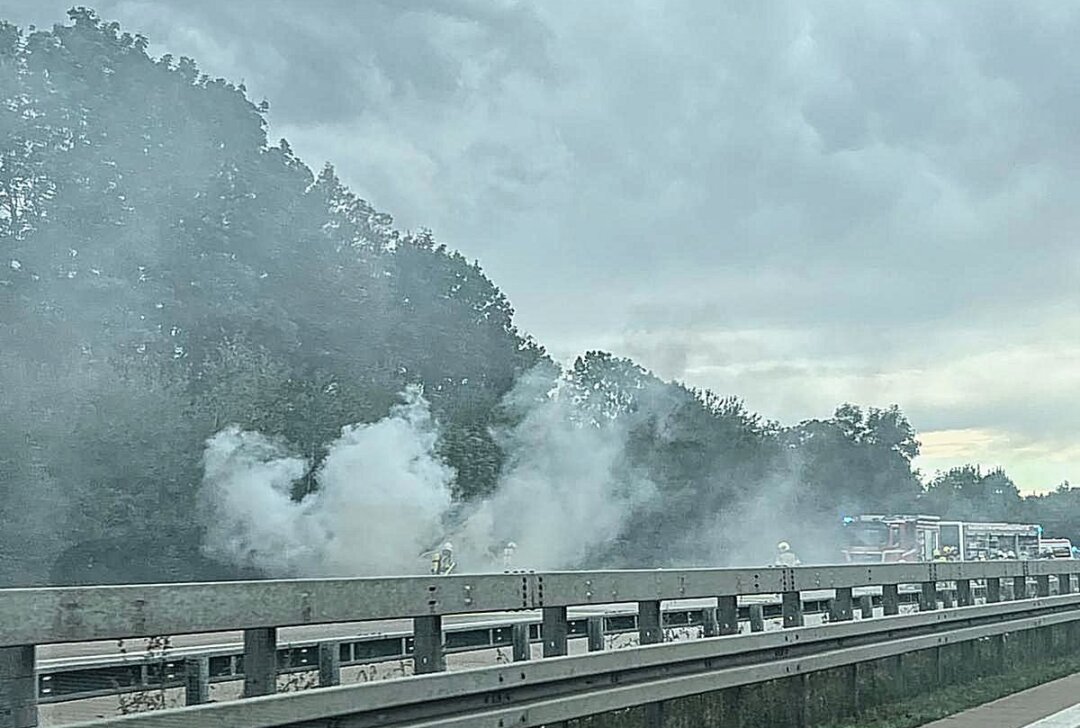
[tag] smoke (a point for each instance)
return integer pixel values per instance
(569, 494)
(382, 492)
(748, 530)
(565, 489)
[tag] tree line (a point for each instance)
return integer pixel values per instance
(166, 270)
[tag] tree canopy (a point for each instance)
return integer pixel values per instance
(166, 270)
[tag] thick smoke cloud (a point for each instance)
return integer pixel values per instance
(383, 495)
(696, 171)
(564, 490)
(861, 188)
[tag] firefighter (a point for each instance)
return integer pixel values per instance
(508, 555)
(785, 556)
(442, 560)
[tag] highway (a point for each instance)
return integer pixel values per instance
(69, 654)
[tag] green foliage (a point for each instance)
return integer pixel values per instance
(857, 457)
(166, 271)
(967, 493)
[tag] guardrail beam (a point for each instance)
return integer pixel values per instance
(549, 691)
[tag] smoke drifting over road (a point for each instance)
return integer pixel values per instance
(564, 490)
(383, 494)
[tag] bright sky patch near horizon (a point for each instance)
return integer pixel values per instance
(800, 203)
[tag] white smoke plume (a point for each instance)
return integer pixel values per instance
(382, 492)
(564, 490)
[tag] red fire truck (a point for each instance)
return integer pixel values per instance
(877, 539)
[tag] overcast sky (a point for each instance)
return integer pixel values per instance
(801, 203)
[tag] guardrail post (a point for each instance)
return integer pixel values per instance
(993, 589)
(1019, 587)
(964, 596)
(329, 664)
(928, 596)
(727, 614)
(791, 609)
(260, 661)
(866, 606)
(890, 599)
(196, 680)
(853, 688)
(427, 645)
(594, 627)
(800, 685)
(18, 688)
(1064, 583)
(840, 608)
(650, 631)
(710, 625)
(757, 618)
(519, 636)
(554, 630)
(654, 715)
(1042, 585)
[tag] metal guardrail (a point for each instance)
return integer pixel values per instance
(550, 691)
(83, 678)
(36, 616)
(30, 617)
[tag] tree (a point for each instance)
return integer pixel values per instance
(193, 275)
(967, 493)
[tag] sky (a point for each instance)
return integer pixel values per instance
(798, 202)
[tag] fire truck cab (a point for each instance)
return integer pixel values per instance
(888, 539)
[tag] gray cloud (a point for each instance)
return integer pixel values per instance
(800, 202)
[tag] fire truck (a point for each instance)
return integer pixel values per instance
(888, 539)
(1056, 548)
(905, 538)
(982, 541)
